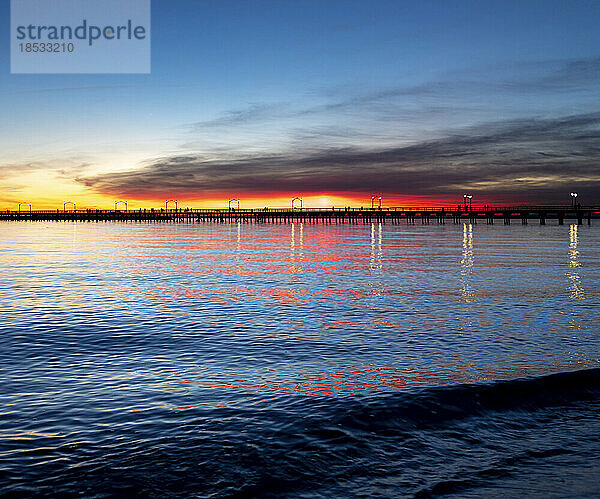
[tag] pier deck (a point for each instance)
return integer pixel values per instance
(410, 215)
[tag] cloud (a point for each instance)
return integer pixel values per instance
(571, 75)
(410, 139)
(15, 169)
(535, 158)
(64, 168)
(252, 114)
(457, 93)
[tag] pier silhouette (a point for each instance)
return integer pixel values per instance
(395, 214)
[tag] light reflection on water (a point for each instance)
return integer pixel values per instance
(575, 288)
(466, 263)
(376, 251)
(307, 308)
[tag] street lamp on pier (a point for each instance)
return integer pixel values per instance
(373, 198)
(468, 197)
(25, 203)
(573, 199)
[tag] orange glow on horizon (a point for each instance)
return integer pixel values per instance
(86, 199)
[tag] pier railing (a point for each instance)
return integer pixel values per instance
(411, 209)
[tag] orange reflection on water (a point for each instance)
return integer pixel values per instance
(304, 293)
(354, 381)
(336, 383)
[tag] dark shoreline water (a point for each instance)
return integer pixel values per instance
(505, 438)
(286, 361)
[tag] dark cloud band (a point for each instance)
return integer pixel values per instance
(530, 158)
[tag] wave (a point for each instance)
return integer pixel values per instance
(422, 442)
(435, 405)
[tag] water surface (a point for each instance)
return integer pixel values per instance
(299, 360)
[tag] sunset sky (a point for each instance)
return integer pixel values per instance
(334, 101)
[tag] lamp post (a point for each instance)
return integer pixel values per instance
(373, 198)
(573, 199)
(24, 204)
(469, 197)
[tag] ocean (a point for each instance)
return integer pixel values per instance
(299, 360)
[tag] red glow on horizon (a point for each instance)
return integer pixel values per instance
(284, 200)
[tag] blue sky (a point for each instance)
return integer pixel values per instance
(275, 97)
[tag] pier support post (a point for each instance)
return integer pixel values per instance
(524, 216)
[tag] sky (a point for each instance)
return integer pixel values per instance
(333, 101)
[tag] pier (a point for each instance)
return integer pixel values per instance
(346, 215)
